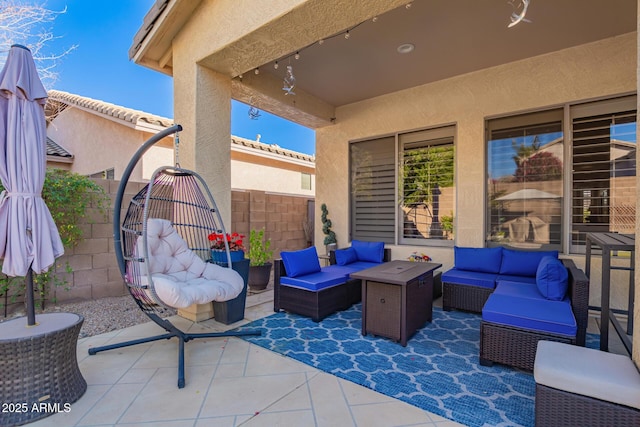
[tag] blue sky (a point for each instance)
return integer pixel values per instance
(100, 68)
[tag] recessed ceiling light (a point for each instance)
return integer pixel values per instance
(405, 48)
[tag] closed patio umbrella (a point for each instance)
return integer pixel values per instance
(29, 239)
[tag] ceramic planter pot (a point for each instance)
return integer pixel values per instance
(259, 276)
(218, 255)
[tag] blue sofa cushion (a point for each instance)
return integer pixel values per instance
(299, 263)
(484, 260)
(520, 289)
(369, 251)
(522, 263)
(510, 278)
(354, 267)
(463, 277)
(346, 256)
(552, 278)
(325, 278)
(541, 315)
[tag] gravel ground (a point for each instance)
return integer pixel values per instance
(104, 314)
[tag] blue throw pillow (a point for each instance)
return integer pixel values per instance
(299, 263)
(346, 256)
(368, 251)
(523, 263)
(483, 260)
(552, 278)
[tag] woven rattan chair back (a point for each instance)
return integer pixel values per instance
(182, 197)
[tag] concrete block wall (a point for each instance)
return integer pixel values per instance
(282, 216)
(93, 267)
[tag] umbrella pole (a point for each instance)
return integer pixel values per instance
(31, 312)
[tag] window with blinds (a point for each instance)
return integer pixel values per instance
(372, 186)
(426, 172)
(525, 180)
(604, 169)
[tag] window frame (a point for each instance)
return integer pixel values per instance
(395, 160)
(611, 105)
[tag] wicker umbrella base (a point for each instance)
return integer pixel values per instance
(39, 373)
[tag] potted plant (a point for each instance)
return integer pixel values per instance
(330, 241)
(260, 254)
(231, 311)
(219, 250)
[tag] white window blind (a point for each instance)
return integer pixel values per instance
(604, 168)
(372, 182)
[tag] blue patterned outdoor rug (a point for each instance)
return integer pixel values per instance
(437, 371)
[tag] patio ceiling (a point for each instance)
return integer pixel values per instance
(451, 37)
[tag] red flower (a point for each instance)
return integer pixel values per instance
(234, 240)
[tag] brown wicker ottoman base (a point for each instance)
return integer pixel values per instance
(560, 408)
(464, 297)
(512, 346)
(39, 372)
(320, 304)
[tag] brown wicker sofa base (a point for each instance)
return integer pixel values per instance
(464, 297)
(561, 408)
(517, 347)
(512, 346)
(314, 304)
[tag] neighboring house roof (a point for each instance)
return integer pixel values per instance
(270, 148)
(139, 120)
(57, 153)
(133, 118)
(54, 149)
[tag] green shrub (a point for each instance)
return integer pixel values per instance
(68, 196)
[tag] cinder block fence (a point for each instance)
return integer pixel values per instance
(93, 268)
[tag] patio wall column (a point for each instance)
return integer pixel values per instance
(203, 107)
(636, 314)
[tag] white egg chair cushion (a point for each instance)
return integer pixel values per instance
(180, 277)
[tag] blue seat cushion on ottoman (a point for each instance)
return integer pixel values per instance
(543, 315)
(323, 279)
(513, 278)
(473, 278)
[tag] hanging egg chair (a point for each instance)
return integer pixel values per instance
(162, 249)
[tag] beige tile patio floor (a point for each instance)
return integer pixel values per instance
(229, 382)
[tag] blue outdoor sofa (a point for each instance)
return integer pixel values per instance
(524, 297)
(301, 286)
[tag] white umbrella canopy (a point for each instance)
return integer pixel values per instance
(528, 193)
(29, 238)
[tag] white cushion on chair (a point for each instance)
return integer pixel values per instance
(180, 277)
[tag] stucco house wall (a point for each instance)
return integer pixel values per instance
(467, 101)
(99, 144)
(206, 45)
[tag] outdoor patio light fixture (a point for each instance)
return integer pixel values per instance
(406, 48)
(289, 81)
(517, 18)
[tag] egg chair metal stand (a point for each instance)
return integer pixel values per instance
(179, 197)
